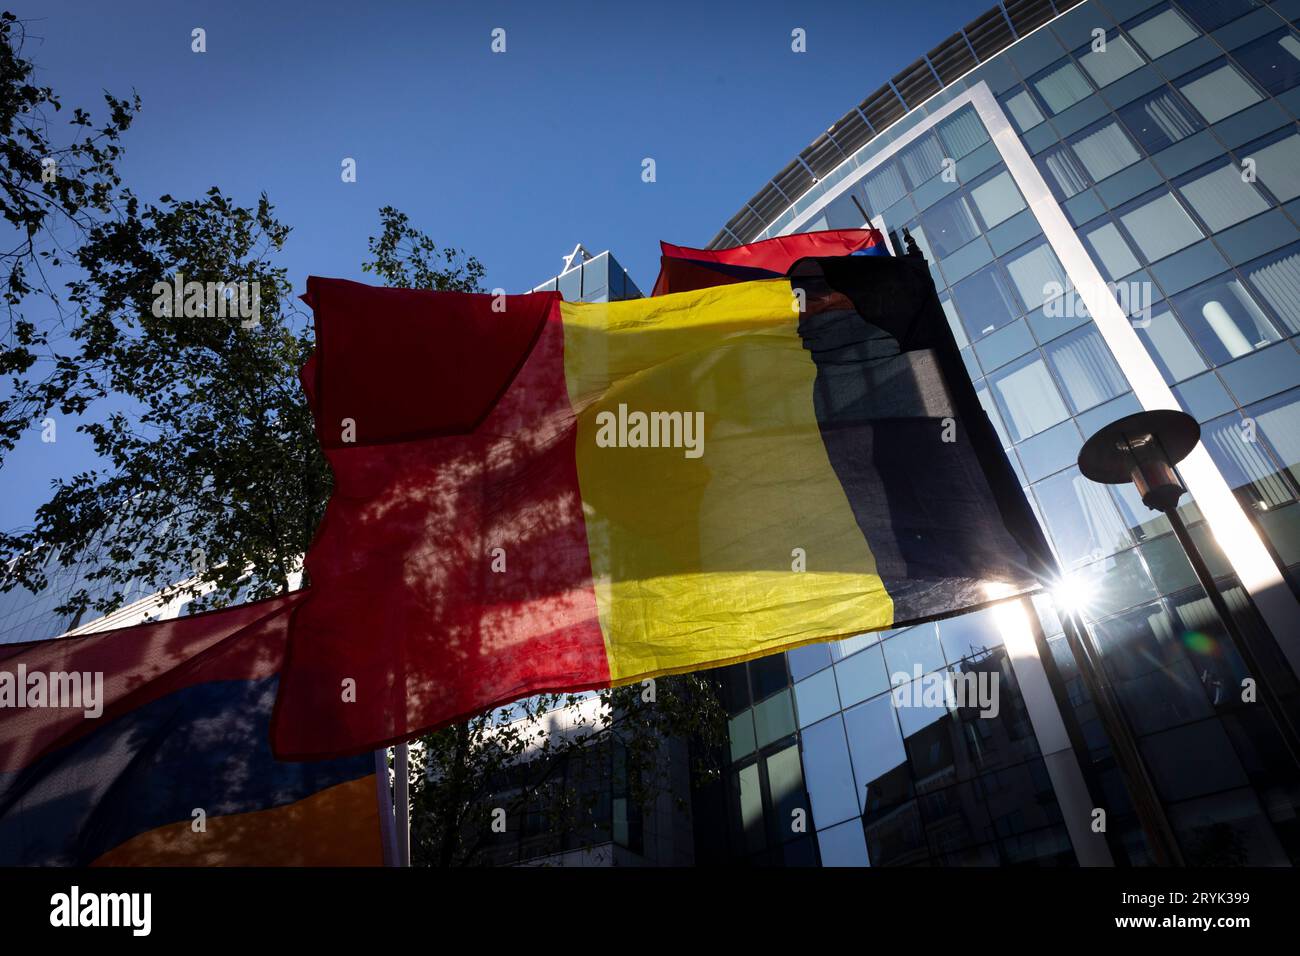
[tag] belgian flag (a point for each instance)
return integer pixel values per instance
(534, 495)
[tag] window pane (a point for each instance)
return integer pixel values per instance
(1170, 347)
(1110, 249)
(1219, 93)
(985, 302)
(1249, 470)
(1080, 517)
(962, 133)
(1108, 65)
(1061, 86)
(997, 199)
(1277, 166)
(1212, 14)
(1160, 227)
(1105, 150)
(1166, 31)
(1024, 110)
(829, 773)
(1035, 273)
(1277, 280)
(1221, 198)
(875, 744)
(1027, 397)
(1223, 319)
(1159, 119)
(1277, 420)
(884, 187)
(923, 160)
(1273, 60)
(949, 225)
(1065, 172)
(1085, 368)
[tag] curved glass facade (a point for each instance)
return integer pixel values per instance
(1109, 205)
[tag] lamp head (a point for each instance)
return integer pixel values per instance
(1143, 449)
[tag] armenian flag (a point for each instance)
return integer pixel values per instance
(534, 495)
(150, 745)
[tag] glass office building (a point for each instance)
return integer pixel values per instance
(1107, 194)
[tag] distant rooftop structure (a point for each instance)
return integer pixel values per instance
(588, 278)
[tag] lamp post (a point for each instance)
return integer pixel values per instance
(1144, 449)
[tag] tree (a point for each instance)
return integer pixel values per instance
(52, 191)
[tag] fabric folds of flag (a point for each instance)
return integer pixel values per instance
(533, 495)
(683, 269)
(150, 745)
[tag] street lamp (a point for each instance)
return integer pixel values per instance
(1144, 449)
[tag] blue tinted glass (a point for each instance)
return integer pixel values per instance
(985, 301)
(842, 845)
(969, 635)
(862, 676)
(815, 698)
(1223, 319)
(1212, 14)
(875, 743)
(949, 225)
(1159, 119)
(808, 659)
(828, 773)
(1273, 60)
(1085, 368)
(913, 653)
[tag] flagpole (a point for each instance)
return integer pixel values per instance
(402, 802)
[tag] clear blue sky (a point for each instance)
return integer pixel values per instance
(513, 157)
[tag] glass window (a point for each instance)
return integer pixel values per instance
(1037, 274)
(862, 676)
(997, 199)
(1221, 197)
(1276, 278)
(773, 719)
(1115, 60)
(1223, 319)
(1170, 347)
(1159, 226)
(884, 187)
(1065, 174)
(875, 744)
(1277, 422)
(1277, 166)
(918, 647)
(1111, 250)
(1085, 368)
(962, 133)
(923, 159)
(1212, 14)
(1273, 60)
(985, 301)
(1218, 90)
(843, 845)
(1159, 119)
(1081, 518)
(1024, 111)
(815, 698)
(808, 659)
(1027, 397)
(829, 774)
(749, 795)
(785, 787)
(1061, 86)
(1245, 464)
(847, 210)
(1161, 32)
(1104, 149)
(969, 635)
(949, 224)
